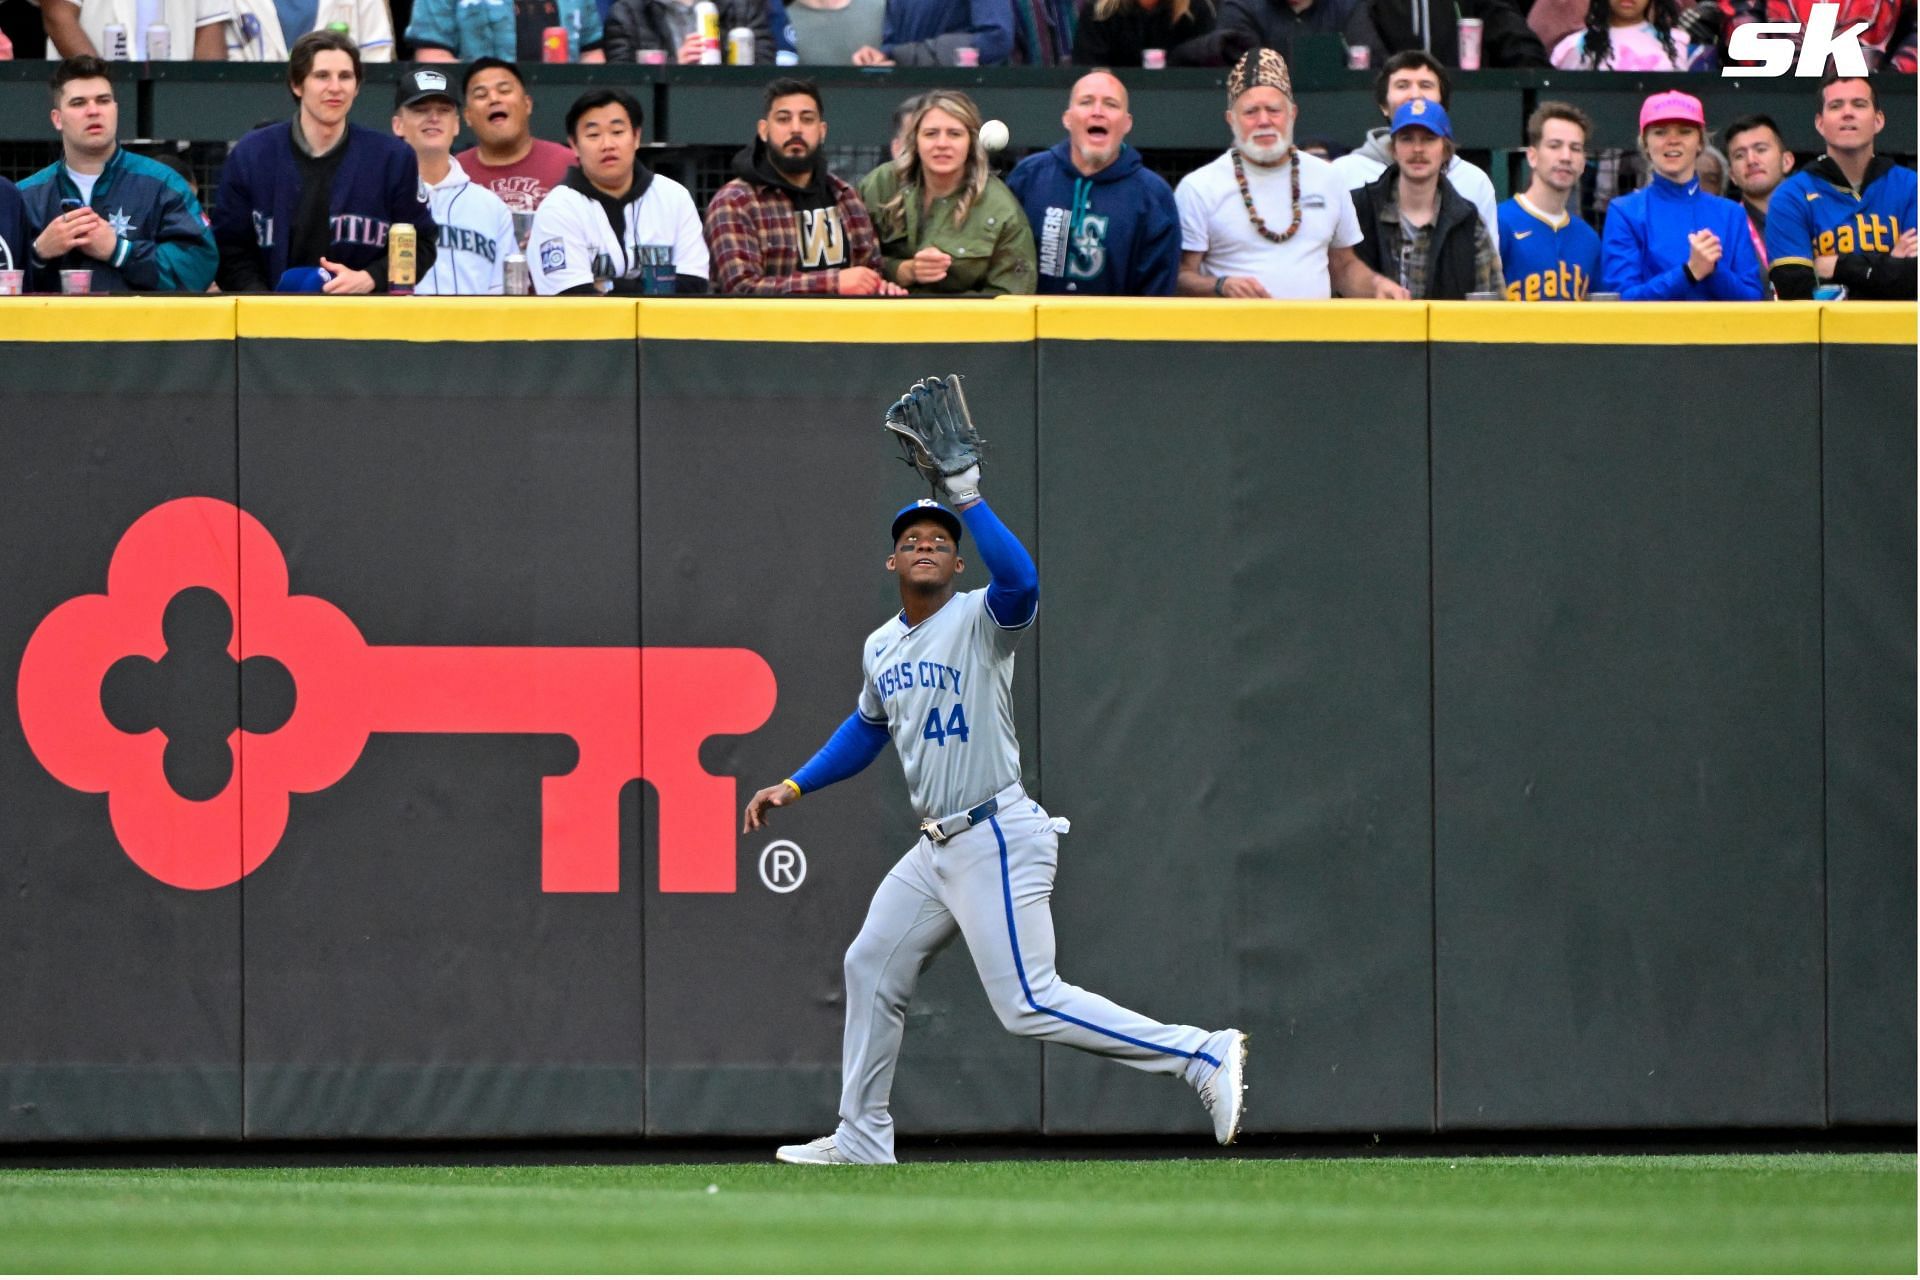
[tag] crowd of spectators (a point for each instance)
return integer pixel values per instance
(1613, 35)
(308, 204)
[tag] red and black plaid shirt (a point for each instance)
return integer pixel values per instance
(761, 243)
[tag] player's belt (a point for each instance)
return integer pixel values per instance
(941, 830)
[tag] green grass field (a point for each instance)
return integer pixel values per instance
(1732, 1213)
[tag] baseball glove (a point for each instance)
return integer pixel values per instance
(937, 437)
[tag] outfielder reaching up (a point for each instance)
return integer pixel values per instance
(938, 683)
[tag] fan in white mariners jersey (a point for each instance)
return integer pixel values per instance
(476, 229)
(610, 207)
(938, 680)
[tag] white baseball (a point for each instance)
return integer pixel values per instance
(993, 135)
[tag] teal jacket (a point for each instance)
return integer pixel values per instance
(164, 240)
(470, 29)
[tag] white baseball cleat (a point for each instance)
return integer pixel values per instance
(1225, 1091)
(819, 1151)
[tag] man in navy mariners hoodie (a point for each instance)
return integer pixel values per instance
(304, 206)
(1102, 222)
(131, 221)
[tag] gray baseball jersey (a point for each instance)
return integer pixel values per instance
(944, 689)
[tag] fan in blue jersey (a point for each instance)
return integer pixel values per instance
(1849, 216)
(1672, 240)
(305, 206)
(1549, 254)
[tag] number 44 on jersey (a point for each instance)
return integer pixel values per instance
(955, 726)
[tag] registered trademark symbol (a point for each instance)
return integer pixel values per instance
(783, 866)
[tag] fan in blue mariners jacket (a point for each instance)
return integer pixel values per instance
(1849, 216)
(305, 206)
(1103, 223)
(132, 221)
(1549, 254)
(1672, 241)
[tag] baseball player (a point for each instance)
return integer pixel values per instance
(476, 231)
(937, 683)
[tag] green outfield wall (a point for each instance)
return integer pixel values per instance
(1505, 714)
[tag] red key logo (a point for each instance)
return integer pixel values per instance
(632, 713)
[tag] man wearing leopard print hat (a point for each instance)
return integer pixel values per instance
(1266, 220)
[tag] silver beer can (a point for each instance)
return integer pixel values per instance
(114, 43)
(740, 47)
(1359, 57)
(519, 281)
(159, 43)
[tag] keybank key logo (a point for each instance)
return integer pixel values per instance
(322, 691)
(1770, 44)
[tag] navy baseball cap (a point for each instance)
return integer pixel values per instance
(1430, 116)
(927, 509)
(420, 85)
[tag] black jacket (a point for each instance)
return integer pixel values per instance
(1450, 245)
(1274, 24)
(1505, 40)
(1195, 41)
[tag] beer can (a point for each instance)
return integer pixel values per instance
(159, 43)
(518, 280)
(966, 56)
(114, 43)
(1470, 29)
(1153, 59)
(740, 47)
(403, 257)
(706, 16)
(1359, 57)
(553, 44)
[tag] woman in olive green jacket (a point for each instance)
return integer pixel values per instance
(946, 224)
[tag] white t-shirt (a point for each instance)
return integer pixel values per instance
(182, 17)
(1358, 168)
(84, 182)
(569, 230)
(476, 235)
(1213, 221)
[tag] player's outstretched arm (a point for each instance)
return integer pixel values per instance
(1013, 594)
(853, 746)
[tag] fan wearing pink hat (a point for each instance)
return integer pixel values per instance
(1671, 241)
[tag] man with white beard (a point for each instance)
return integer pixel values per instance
(1266, 220)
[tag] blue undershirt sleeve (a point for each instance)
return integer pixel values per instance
(1014, 592)
(853, 746)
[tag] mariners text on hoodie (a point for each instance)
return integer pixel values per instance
(1113, 232)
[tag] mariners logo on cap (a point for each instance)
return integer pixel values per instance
(1419, 106)
(424, 80)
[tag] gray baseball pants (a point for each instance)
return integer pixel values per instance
(993, 885)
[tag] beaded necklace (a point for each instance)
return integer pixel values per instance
(1253, 215)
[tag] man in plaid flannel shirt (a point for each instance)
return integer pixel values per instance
(785, 224)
